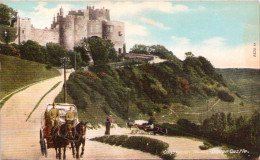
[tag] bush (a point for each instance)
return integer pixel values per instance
(49, 66)
(168, 155)
(145, 144)
(224, 96)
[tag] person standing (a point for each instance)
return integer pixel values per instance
(108, 123)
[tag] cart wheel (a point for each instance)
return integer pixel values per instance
(45, 148)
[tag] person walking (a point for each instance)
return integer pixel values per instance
(108, 123)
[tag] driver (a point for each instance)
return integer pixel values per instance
(54, 115)
(71, 117)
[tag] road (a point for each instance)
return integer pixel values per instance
(20, 139)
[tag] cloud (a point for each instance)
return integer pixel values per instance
(217, 52)
(122, 9)
(154, 23)
(133, 29)
(42, 16)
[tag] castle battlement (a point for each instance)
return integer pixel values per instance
(69, 30)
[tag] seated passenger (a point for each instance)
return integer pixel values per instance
(70, 118)
(54, 116)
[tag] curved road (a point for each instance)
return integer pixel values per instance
(20, 139)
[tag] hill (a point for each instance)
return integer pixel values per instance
(16, 73)
(245, 82)
(189, 89)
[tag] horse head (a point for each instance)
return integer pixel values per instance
(82, 127)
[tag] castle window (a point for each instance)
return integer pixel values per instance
(119, 33)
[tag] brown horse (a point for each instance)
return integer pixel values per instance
(61, 137)
(79, 139)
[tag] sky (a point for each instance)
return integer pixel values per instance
(226, 33)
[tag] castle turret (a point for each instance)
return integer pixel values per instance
(61, 12)
(67, 32)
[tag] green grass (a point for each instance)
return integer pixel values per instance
(55, 86)
(16, 73)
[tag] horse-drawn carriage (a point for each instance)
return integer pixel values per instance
(46, 137)
(141, 126)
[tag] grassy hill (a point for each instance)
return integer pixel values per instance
(245, 82)
(16, 73)
(189, 89)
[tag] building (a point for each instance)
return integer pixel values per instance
(70, 30)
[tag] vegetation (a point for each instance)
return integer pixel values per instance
(236, 132)
(158, 50)
(16, 73)
(144, 144)
(101, 50)
(7, 20)
(7, 15)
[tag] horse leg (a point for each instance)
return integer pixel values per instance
(72, 147)
(77, 150)
(82, 148)
(59, 152)
(64, 152)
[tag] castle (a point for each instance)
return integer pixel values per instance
(70, 30)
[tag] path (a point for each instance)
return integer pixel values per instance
(20, 139)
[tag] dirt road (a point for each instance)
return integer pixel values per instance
(20, 139)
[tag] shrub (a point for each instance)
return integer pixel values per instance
(145, 144)
(49, 66)
(224, 96)
(166, 155)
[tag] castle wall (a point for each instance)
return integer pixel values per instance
(70, 30)
(80, 29)
(67, 32)
(24, 31)
(43, 36)
(95, 28)
(115, 31)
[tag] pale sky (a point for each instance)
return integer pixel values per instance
(226, 33)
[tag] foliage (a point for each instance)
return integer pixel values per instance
(101, 50)
(9, 50)
(158, 50)
(76, 56)
(7, 34)
(54, 53)
(224, 96)
(144, 144)
(32, 51)
(83, 53)
(140, 49)
(7, 15)
(189, 54)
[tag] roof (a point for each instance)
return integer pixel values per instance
(61, 106)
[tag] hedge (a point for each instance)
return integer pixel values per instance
(144, 144)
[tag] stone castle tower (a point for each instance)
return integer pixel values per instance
(71, 29)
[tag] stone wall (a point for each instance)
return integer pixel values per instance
(115, 31)
(43, 36)
(95, 28)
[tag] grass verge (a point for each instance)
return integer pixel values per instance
(56, 85)
(16, 73)
(141, 143)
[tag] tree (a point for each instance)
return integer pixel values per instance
(55, 52)
(124, 48)
(9, 50)
(7, 34)
(33, 51)
(83, 53)
(101, 50)
(76, 55)
(140, 49)
(189, 54)
(7, 15)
